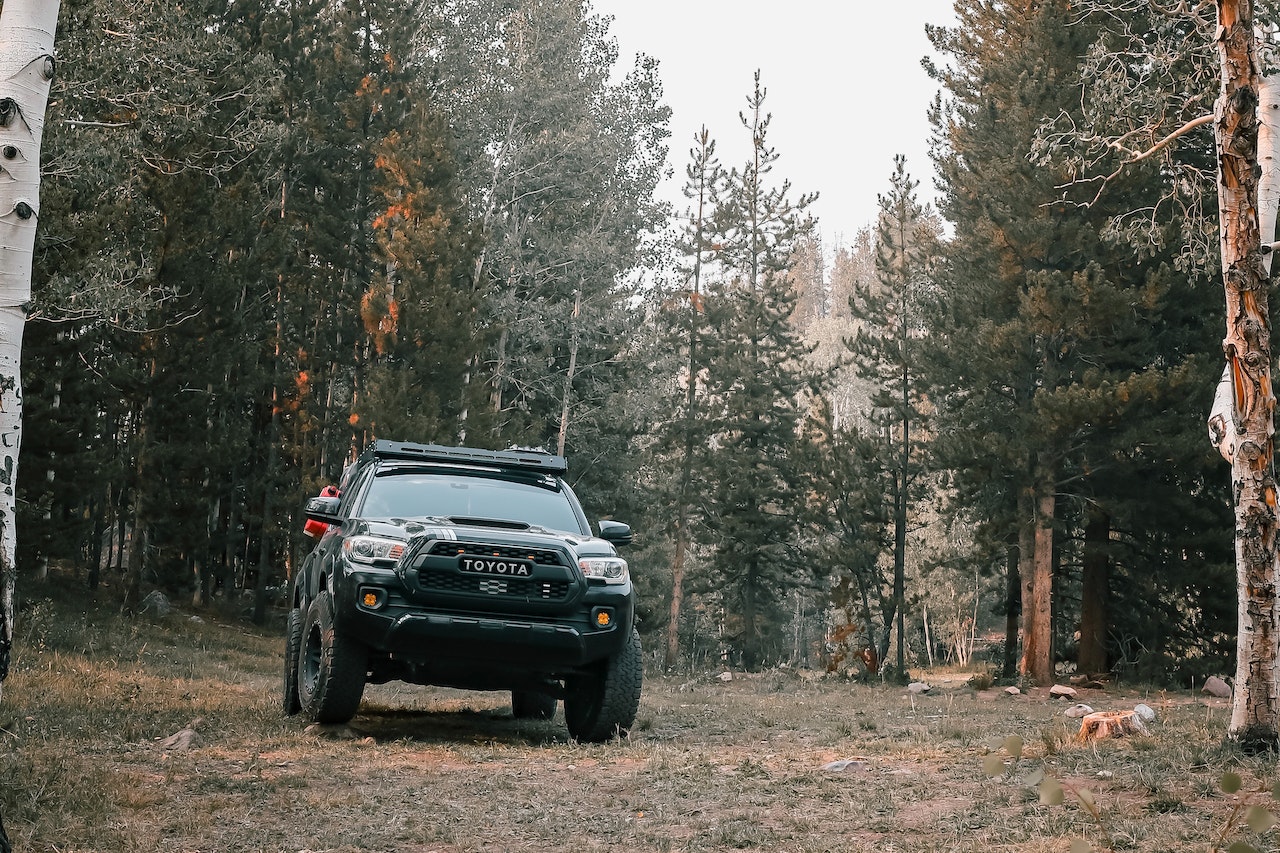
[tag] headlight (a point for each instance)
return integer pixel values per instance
(608, 569)
(372, 549)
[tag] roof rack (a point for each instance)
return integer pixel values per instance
(510, 460)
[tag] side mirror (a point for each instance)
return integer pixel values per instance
(324, 509)
(615, 532)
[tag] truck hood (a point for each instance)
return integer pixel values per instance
(495, 531)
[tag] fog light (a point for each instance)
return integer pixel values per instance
(603, 617)
(373, 598)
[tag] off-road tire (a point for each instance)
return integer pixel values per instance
(292, 646)
(603, 705)
(531, 705)
(331, 667)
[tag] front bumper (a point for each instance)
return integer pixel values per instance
(411, 629)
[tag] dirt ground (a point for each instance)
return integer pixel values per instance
(781, 761)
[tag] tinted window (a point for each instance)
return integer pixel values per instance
(418, 494)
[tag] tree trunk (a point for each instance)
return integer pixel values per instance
(1095, 593)
(1255, 716)
(900, 536)
(928, 640)
(567, 393)
(26, 68)
(1037, 585)
(132, 601)
(98, 512)
(1012, 609)
(142, 472)
(672, 657)
(273, 454)
(750, 636)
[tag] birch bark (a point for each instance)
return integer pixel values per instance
(26, 69)
(1255, 717)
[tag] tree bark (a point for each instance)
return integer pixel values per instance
(750, 632)
(1255, 716)
(900, 528)
(566, 397)
(1012, 600)
(1095, 593)
(26, 69)
(671, 657)
(1037, 586)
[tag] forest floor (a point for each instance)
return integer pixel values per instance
(89, 761)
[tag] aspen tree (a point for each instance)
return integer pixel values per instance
(26, 69)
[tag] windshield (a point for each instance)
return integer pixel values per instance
(417, 494)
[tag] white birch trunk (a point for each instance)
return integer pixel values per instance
(26, 69)
(1255, 717)
(1246, 705)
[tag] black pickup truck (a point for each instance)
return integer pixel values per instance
(459, 567)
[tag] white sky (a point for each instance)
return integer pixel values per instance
(845, 87)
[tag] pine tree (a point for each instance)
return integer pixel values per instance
(422, 308)
(1041, 350)
(891, 322)
(560, 165)
(758, 391)
(682, 436)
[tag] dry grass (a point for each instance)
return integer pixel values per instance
(711, 766)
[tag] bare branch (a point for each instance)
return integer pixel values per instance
(1180, 132)
(71, 122)
(1138, 157)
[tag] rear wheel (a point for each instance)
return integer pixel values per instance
(530, 705)
(292, 647)
(603, 705)
(331, 667)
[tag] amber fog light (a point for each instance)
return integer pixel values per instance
(373, 598)
(602, 617)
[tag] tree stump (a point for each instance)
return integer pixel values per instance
(1101, 725)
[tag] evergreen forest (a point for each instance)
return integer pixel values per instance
(274, 231)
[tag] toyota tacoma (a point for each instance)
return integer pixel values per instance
(467, 568)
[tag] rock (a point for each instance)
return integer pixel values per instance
(1013, 691)
(1145, 712)
(918, 687)
(1076, 711)
(725, 676)
(845, 764)
(1215, 686)
(1061, 691)
(156, 603)
(184, 739)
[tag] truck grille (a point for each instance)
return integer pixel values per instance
(521, 589)
(541, 556)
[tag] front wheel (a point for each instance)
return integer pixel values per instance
(603, 705)
(331, 667)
